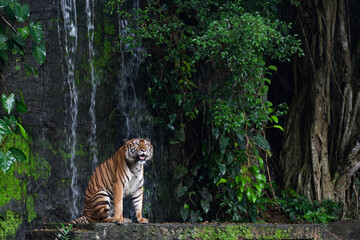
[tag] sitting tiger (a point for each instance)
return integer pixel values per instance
(119, 176)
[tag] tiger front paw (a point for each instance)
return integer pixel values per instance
(121, 221)
(143, 220)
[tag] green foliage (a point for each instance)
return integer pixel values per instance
(14, 35)
(9, 223)
(301, 208)
(208, 62)
(9, 125)
(13, 40)
(64, 232)
(219, 233)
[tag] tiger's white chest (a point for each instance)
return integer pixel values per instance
(134, 182)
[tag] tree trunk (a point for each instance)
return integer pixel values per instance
(321, 144)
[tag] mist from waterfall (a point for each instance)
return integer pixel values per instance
(68, 8)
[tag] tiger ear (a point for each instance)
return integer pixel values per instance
(125, 140)
(148, 139)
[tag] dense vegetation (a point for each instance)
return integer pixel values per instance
(209, 70)
(14, 36)
(18, 37)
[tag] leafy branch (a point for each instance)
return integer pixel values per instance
(8, 127)
(15, 30)
(13, 42)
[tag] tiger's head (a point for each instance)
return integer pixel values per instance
(138, 150)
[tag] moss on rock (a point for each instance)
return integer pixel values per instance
(9, 223)
(13, 185)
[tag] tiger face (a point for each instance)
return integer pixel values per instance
(138, 150)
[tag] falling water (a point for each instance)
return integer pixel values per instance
(136, 121)
(130, 105)
(90, 28)
(68, 8)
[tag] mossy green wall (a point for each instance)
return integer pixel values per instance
(13, 185)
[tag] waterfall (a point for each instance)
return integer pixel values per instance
(135, 120)
(90, 28)
(131, 106)
(68, 8)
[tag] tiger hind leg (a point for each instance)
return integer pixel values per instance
(98, 207)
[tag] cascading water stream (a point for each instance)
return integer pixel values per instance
(135, 120)
(130, 105)
(90, 28)
(68, 8)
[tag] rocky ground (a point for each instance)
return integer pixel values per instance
(333, 231)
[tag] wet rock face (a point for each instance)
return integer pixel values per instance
(48, 122)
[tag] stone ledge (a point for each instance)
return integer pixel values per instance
(151, 231)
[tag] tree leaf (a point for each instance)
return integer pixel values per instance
(275, 118)
(258, 188)
(216, 132)
(3, 42)
(5, 163)
(4, 3)
(178, 99)
(272, 67)
(10, 122)
(238, 179)
(16, 154)
(205, 194)
(4, 55)
(3, 46)
(39, 52)
(205, 205)
(21, 107)
(170, 127)
(222, 169)
(4, 128)
(261, 162)
(184, 213)
(24, 32)
(261, 142)
(251, 195)
(13, 155)
(3, 38)
(22, 130)
(36, 31)
(223, 180)
(279, 127)
(194, 216)
(224, 142)
(239, 194)
(181, 190)
(180, 171)
(30, 69)
(230, 158)
(19, 39)
(8, 102)
(22, 13)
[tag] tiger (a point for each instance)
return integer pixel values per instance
(120, 176)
